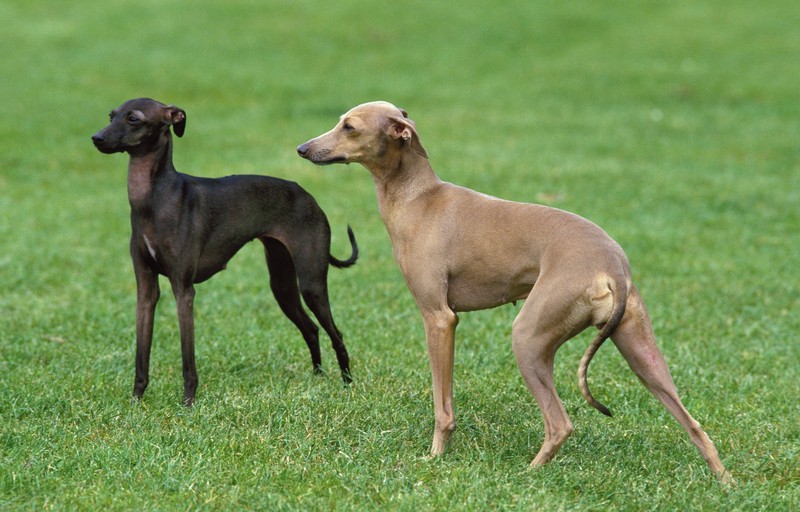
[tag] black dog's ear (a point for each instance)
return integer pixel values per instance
(177, 118)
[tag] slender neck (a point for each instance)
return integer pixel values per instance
(146, 169)
(403, 180)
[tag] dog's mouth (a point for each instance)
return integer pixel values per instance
(104, 144)
(319, 156)
(330, 161)
(104, 147)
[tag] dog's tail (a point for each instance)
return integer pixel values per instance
(353, 257)
(619, 289)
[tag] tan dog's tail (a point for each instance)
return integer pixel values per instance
(619, 289)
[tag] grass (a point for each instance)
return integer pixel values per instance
(673, 125)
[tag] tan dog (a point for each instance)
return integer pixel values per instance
(460, 250)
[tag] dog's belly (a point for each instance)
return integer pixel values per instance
(474, 293)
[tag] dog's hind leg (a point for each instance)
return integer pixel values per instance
(283, 282)
(547, 319)
(636, 342)
(314, 290)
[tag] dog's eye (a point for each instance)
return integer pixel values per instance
(348, 127)
(133, 119)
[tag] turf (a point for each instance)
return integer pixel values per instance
(674, 125)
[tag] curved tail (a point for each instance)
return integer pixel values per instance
(619, 290)
(353, 257)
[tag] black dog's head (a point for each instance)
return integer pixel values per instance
(138, 125)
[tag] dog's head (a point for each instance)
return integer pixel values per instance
(138, 125)
(370, 134)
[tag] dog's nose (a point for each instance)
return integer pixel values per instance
(96, 138)
(302, 150)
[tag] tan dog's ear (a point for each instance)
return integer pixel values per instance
(403, 128)
(177, 118)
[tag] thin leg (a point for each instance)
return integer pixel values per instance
(535, 354)
(283, 282)
(551, 315)
(184, 297)
(440, 330)
(312, 274)
(636, 342)
(147, 294)
(317, 300)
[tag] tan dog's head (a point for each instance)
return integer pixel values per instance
(373, 134)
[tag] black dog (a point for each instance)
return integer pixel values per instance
(187, 228)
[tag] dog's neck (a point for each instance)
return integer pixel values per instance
(146, 169)
(404, 180)
(399, 184)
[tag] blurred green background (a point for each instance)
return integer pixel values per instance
(672, 125)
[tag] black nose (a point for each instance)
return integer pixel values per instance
(97, 138)
(302, 150)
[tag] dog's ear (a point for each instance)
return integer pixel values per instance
(177, 118)
(404, 128)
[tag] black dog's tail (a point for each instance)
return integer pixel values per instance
(353, 257)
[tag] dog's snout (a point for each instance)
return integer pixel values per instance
(102, 143)
(312, 152)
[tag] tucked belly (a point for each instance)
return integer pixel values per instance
(485, 292)
(215, 259)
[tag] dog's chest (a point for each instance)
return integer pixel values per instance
(151, 248)
(150, 243)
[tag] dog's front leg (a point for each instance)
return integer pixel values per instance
(184, 297)
(440, 330)
(147, 293)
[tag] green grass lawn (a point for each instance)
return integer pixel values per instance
(674, 125)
